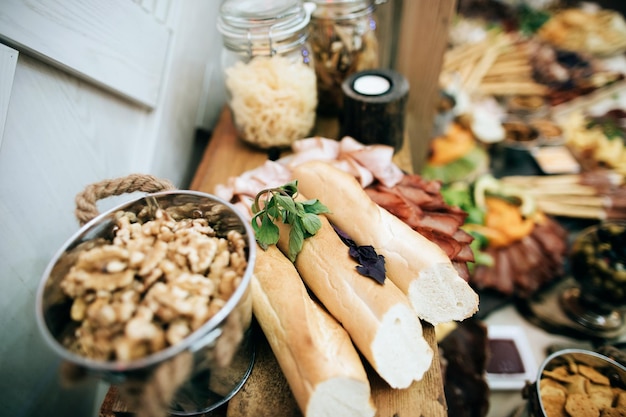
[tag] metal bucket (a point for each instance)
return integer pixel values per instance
(219, 351)
(615, 371)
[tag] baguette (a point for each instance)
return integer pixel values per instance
(419, 267)
(378, 317)
(316, 355)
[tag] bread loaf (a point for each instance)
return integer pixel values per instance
(378, 317)
(420, 268)
(316, 355)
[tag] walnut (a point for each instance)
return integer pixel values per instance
(177, 331)
(152, 285)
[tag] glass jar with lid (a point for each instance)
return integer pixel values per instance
(344, 41)
(268, 70)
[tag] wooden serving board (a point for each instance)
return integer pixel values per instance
(266, 393)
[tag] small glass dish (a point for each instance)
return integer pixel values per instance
(551, 133)
(511, 362)
(519, 134)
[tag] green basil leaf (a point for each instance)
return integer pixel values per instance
(299, 210)
(285, 202)
(278, 204)
(296, 240)
(311, 223)
(315, 207)
(291, 188)
(268, 232)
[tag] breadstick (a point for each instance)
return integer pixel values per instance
(513, 88)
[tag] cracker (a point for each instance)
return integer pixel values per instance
(552, 386)
(578, 405)
(602, 388)
(578, 384)
(620, 397)
(560, 373)
(601, 399)
(593, 375)
(554, 405)
(613, 412)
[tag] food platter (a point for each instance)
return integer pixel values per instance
(266, 379)
(426, 395)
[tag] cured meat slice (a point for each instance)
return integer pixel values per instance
(443, 222)
(549, 235)
(462, 269)
(414, 180)
(466, 254)
(449, 245)
(419, 196)
(462, 236)
(504, 274)
(420, 204)
(522, 268)
(395, 204)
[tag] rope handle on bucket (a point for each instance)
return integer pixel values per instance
(86, 208)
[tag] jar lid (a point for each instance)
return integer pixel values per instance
(255, 20)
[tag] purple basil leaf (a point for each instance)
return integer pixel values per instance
(370, 264)
(344, 237)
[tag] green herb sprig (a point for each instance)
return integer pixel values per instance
(279, 204)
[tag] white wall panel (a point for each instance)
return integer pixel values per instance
(114, 43)
(63, 131)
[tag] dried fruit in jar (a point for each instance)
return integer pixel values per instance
(343, 42)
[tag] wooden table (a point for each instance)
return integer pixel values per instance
(266, 393)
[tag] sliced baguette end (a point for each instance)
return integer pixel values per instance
(400, 351)
(440, 295)
(341, 397)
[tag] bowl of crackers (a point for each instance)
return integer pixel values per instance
(578, 383)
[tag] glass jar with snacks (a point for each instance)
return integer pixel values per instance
(268, 69)
(344, 41)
